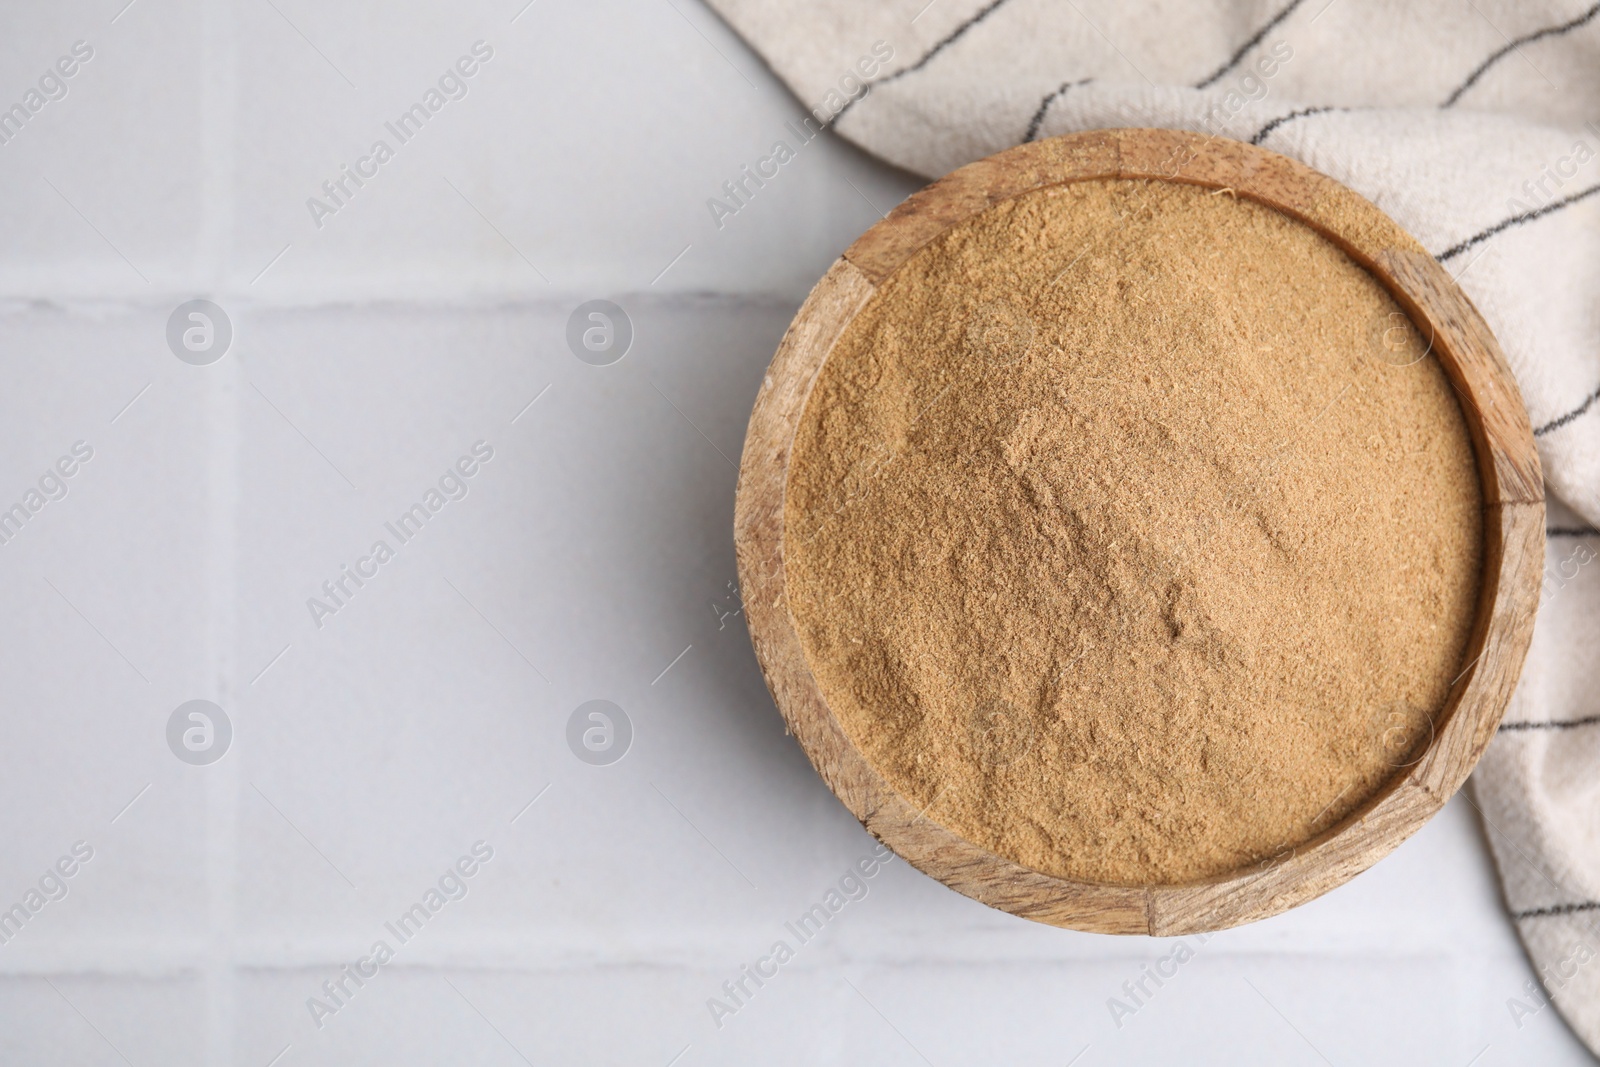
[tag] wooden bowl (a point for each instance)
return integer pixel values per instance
(1513, 521)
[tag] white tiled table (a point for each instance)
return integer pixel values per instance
(588, 555)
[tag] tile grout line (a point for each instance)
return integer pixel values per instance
(218, 112)
(224, 779)
(224, 400)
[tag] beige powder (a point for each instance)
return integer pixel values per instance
(1131, 532)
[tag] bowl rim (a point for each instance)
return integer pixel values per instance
(1513, 519)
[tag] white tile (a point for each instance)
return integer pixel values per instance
(527, 185)
(106, 191)
(77, 1019)
(109, 628)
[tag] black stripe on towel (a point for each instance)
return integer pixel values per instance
(1548, 31)
(1517, 220)
(1044, 106)
(1561, 420)
(1572, 531)
(1244, 49)
(1569, 724)
(1261, 134)
(1559, 909)
(950, 39)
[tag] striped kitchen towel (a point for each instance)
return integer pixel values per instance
(1474, 124)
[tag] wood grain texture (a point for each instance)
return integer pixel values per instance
(1513, 531)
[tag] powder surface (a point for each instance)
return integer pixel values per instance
(1132, 532)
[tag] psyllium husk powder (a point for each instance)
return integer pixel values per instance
(1133, 532)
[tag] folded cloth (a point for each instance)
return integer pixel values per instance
(1476, 126)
